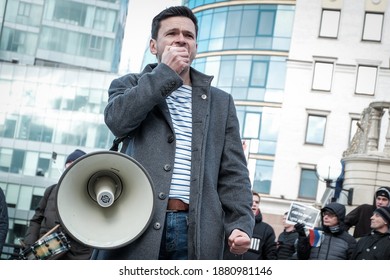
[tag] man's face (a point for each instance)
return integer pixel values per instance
(377, 222)
(175, 32)
(255, 204)
(381, 201)
(329, 219)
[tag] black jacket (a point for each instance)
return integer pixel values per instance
(287, 243)
(3, 220)
(263, 245)
(375, 246)
(360, 219)
(45, 218)
(335, 244)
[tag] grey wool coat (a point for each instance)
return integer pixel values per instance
(220, 190)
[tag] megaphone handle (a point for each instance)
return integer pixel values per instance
(49, 232)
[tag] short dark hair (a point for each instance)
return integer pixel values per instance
(174, 11)
(256, 194)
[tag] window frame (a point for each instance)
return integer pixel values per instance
(358, 89)
(318, 77)
(325, 22)
(300, 187)
(366, 28)
(316, 114)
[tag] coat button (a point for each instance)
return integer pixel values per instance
(171, 138)
(167, 167)
(162, 195)
(204, 96)
(157, 226)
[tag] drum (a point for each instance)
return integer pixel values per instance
(49, 247)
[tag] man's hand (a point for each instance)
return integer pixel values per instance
(300, 229)
(239, 242)
(178, 58)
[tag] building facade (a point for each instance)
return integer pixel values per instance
(57, 60)
(63, 33)
(300, 84)
(338, 65)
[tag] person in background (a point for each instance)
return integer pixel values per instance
(46, 218)
(263, 246)
(329, 242)
(375, 246)
(287, 241)
(359, 218)
(3, 220)
(186, 135)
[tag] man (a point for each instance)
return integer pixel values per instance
(330, 241)
(46, 218)
(263, 246)
(3, 220)
(287, 241)
(185, 133)
(360, 216)
(375, 246)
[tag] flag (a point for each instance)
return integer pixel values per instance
(315, 237)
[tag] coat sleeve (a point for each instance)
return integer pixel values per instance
(234, 185)
(352, 218)
(270, 245)
(303, 248)
(33, 231)
(3, 220)
(133, 96)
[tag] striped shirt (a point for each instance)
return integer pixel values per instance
(180, 108)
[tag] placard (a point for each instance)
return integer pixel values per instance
(304, 214)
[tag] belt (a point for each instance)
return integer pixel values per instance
(176, 205)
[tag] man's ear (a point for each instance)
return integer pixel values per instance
(153, 46)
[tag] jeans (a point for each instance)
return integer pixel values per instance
(174, 243)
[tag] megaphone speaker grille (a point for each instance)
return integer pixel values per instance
(105, 227)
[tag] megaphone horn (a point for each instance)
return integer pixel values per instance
(104, 187)
(105, 200)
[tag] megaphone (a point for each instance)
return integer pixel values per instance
(105, 199)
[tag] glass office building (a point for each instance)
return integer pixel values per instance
(57, 60)
(73, 33)
(245, 46)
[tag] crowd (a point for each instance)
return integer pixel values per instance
(331, 240)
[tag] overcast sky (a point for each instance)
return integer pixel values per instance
(139, 19)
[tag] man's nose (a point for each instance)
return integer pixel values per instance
(179, 40)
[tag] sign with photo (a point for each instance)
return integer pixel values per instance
(303, 214)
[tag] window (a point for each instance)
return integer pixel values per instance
(373, 24)
(5, 159)
(43, 165)
(330, 23)
(252, 125)
(266, 23)
(70, 12)
(353, 129)
(259, 74)
(24, 9)
(366, 79)
(315, 131)
(96, 43)
(16, 40)
(263, 176)
(308, 184)
(322, 76)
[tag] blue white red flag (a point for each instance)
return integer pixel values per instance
(315, 237)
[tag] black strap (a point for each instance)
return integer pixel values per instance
(117, 141)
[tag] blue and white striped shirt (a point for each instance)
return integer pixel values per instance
(180, 108)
